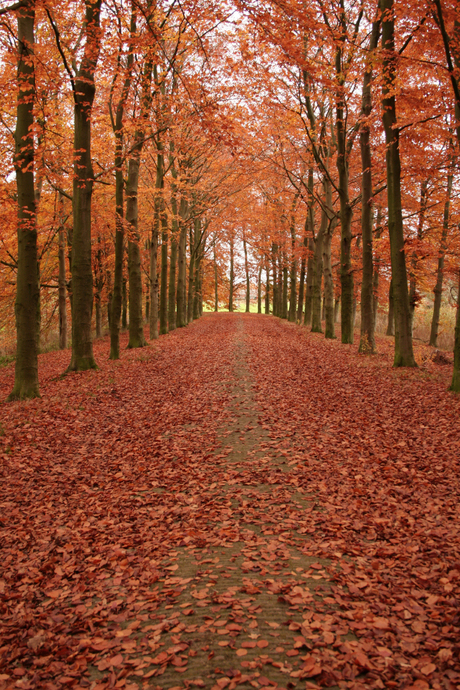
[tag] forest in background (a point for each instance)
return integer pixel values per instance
(161, 155)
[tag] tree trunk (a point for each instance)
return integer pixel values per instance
(317, 275)
(455, 384)
(267, 288)
(82, 276)
(164, 273)
(413, 296)
(275, 280)
(27, 307)
(404, 355)
(284, 308)
(62, 280)
(154, 279)
(328, 283)
(182, 272)
(246, 272)
(292, 281)
(191, 272)
(232, 277)
(391, 311)
(147, 300)
(99, 284)
(259, 290)
(172, 284)
(124, 305)
(346, 273)
(367, 339)
(136, 324)
(216, 277)
(303, 266)
(440, 269)
(309, 283)
(117, 126)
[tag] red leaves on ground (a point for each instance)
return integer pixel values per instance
(114, 474)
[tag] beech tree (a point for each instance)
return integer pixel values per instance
(27, 306)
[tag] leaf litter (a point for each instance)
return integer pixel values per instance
(239, 505)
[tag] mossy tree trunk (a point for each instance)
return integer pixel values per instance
(329, 331)
(136, 322)
(367, 339)
(84, 91)
(117, 126)
(27, 306)
(404, 355)
(343, 152)
(62, 287)
(391, 311)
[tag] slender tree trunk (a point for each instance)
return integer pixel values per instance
(124, 304)
(317, 275)
(216, 276)
(404, 355)
(413, 296)
(367, 339)
(191, 272)
(182, 272)
(267, 287)
(117, 126)
(136, 323)
(440, 269)
(275, 280)
(82, 276)
(259, 290)
(309, 283)
(284, 307)
(376, 274)
(27, 307)
(147, 300)
(346, 273)
(391, 311)
(455, 384)
(303, 267)
(154, 279)
(99, 284)
(164, 274)
(232, 276)
(310, 234)
(62, 280)
(172, 284)
(293, 291)
(328, 283)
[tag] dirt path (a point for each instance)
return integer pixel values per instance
(238, 505)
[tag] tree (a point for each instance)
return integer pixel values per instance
(27, 306)
(404, 355)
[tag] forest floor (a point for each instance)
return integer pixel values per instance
(241, 504)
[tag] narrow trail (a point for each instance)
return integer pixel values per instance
(239, 505)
